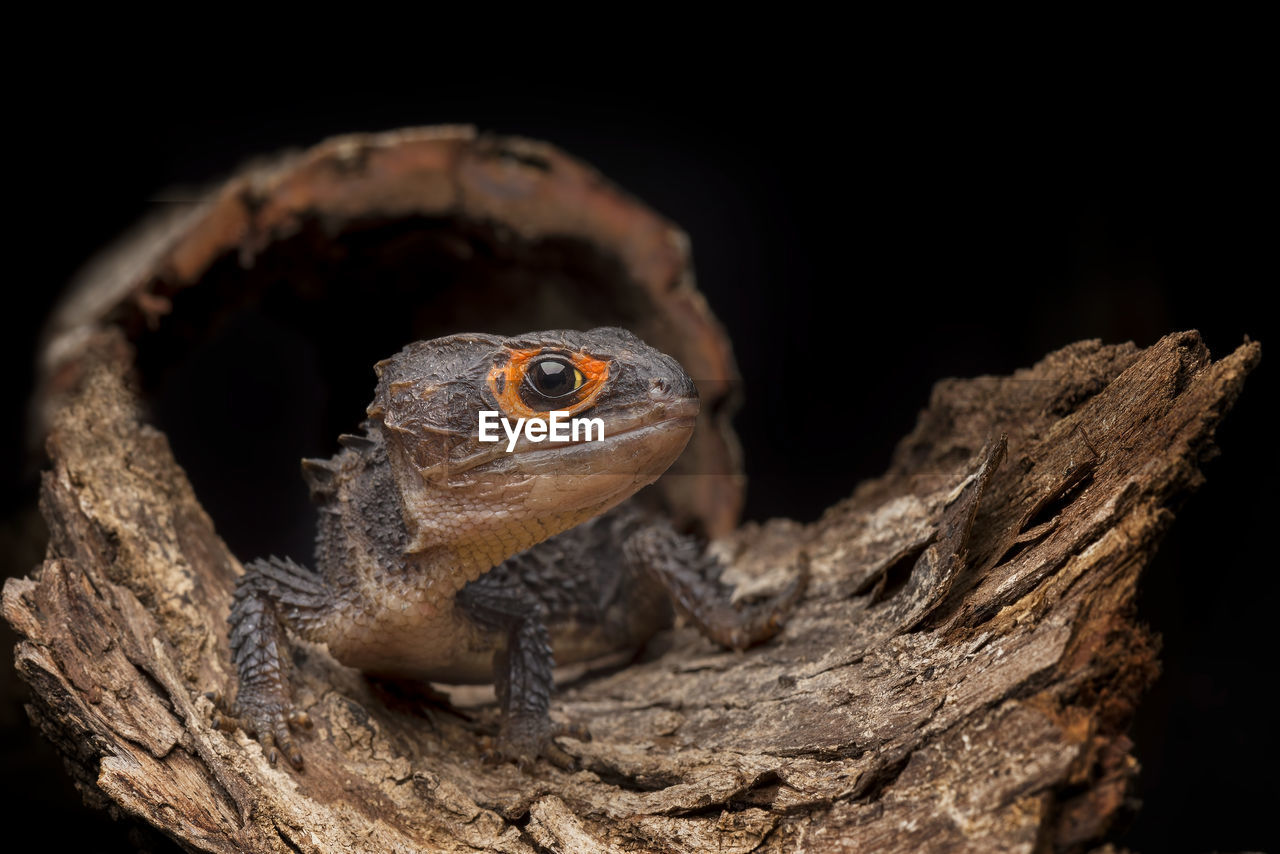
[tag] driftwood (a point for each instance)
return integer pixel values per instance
(959, 677)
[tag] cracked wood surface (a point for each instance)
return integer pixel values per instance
(959, 677)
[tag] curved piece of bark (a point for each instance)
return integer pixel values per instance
(959, 677)
(382, 239)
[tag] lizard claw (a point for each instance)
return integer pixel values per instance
(525, 744)
(266, 715)
(272, 728)
(223, 717)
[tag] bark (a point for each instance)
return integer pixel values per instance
(959, 676)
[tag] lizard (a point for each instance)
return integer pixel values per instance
(440, 557)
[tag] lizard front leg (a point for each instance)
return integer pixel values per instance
(271, 594)
(690, 575)
(522, 670)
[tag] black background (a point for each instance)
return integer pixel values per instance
(950, 225)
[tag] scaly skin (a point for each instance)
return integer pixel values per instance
(431, 557)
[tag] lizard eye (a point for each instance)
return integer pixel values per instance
(554, 377)
(534, 381)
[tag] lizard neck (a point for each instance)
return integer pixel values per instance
(470, 550)
(386, 532)
(464, 531)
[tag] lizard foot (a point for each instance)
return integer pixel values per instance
(756, 623)
(691, 578)
(268, 717)
(524, 743)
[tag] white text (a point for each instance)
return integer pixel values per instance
(558, 428)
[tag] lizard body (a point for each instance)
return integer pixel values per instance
(433, 552)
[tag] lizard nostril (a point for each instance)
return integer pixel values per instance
(659, 384)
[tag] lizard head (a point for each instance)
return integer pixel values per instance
(486, 500)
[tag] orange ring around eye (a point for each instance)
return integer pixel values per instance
(506, 378)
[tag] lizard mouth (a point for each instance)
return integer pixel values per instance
(675, 414)
(640, 440)
(668, 417)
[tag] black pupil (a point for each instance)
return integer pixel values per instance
(553, 378)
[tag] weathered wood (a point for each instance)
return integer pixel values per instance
(959, 677)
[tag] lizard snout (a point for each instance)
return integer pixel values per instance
(671, 385)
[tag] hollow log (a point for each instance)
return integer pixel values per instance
(960, 675)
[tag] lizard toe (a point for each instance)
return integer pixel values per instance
(283, 738)
(270, 718)
(524, 745)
